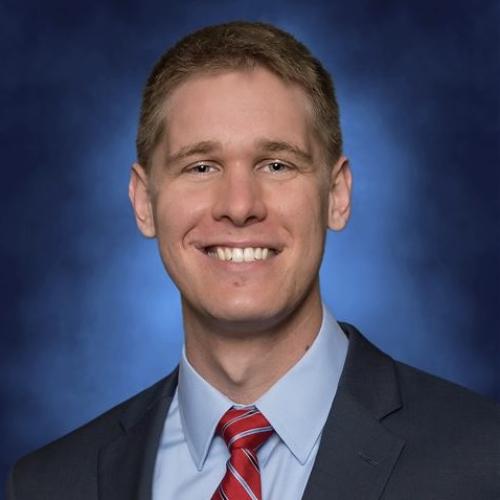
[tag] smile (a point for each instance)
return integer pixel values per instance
(234, 254)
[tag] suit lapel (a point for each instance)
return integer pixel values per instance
(357, 453)
(126, 464)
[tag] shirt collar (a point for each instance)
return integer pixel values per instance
(201, 407)
(296, 412)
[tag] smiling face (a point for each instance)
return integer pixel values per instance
(239, 197)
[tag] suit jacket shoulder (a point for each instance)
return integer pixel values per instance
(75, 466)
(452, 437)
(396, 432)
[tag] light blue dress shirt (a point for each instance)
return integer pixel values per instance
(191, 461)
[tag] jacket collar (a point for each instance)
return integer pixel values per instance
(357, 453)
(126, 464)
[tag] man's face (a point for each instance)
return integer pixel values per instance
(239, 196)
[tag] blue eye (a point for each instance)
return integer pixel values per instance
(201, 168)
(277, 167)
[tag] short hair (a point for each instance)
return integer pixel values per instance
(234, 46)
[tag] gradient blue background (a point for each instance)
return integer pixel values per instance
(88, 314)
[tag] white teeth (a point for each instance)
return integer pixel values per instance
(248, 254)
(237, 255)
(220, 254)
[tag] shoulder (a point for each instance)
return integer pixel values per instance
(450, 435)
(101, 429)
(421, 395)
(74, 456)
(446, 407)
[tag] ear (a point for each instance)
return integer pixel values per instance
(339, 197)
(140, 199)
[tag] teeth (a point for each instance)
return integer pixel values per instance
(248, 254)
(237, 255)
(240, 254)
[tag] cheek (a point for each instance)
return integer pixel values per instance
(303, 214)
(168, 219)
(306, 211)
(176, 213)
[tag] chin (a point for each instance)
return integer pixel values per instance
(245, 312)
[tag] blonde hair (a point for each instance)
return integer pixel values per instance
(232, 46)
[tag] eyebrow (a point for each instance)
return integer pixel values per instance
(284, 147)
(199, 148)
(264, 145)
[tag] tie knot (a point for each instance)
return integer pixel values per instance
(244, 428)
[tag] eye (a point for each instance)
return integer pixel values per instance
(277, 167)
(201, 169)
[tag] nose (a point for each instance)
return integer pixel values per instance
(239, 197)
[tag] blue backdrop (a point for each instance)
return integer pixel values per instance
(88, 314)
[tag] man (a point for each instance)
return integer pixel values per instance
(240, 173)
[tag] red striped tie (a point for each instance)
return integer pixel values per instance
(244, 431)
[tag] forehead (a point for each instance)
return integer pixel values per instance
(237, 107)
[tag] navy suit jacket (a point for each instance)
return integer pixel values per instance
(393, 433)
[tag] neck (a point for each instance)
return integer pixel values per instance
(244, 362)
